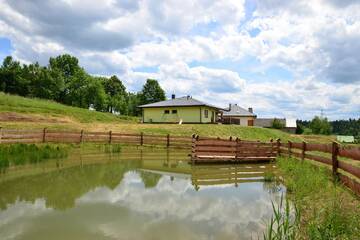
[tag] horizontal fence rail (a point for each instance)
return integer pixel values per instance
(8, 136)
(343, 160)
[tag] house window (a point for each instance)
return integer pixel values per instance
(166, 111)
(206, 113)
(174, 111)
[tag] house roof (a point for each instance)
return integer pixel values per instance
(186, 101)
(235, 110)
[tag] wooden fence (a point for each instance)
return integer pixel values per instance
(205, 150)
(56, 136)
(341, 159)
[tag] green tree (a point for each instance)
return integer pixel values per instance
(95, 94)
(320, 125)
(70, 71)
(151, 92)
(133, 103)
(116, 94)
(12, 79)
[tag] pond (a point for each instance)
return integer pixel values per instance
(144, 193)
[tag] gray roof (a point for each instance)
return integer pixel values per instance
(186, 101)
(238, 111)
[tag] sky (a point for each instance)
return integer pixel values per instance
(291, 58)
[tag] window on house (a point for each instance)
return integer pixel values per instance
(174, 111)
(206, 113)
(166, 111)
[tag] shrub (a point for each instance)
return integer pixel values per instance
(277, 124)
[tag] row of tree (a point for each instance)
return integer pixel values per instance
(319, 125)
(65, 81)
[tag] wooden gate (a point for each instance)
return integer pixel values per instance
(207, 150)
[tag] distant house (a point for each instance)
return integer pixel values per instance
(238, 115)
(179, 110)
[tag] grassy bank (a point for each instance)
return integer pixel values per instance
(55, 111)
(327, 209)
(25, 113)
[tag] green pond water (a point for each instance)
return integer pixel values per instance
(136, 194)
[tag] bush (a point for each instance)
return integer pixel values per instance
(277, 124)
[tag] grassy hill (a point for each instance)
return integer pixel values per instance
(20, 112)
(36, 107)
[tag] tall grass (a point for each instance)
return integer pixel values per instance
(20, 154)
(284, 223)
(328, 211)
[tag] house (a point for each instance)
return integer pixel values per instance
(179, 110)
(238, 115)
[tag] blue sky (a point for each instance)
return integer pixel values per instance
(284, 59)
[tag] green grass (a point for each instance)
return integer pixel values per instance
(17, 104)
(328, 210)
(58, 116)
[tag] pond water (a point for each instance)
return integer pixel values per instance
(136, 194)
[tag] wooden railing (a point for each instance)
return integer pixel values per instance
(342, 160)
(8, 136)
(206, 150)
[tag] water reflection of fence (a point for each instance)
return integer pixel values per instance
(228, 174)
(57, 136)
(205, 150)
(344, 161)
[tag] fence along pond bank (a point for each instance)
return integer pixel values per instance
(344, 161)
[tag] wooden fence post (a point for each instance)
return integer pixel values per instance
(44, 135)
(289, 148)
(193, 148)
(82, 136)
(230, 138)
(278, 144)
(168, 140)
(237, 148)
(110, 137)
(303, 150)
(335, 162)
(272, 146)
(141, 138)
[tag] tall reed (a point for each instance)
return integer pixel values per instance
(284, 223)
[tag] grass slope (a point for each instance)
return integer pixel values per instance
(39, 113)
(17, 104)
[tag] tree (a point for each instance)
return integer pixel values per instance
(151, 92)
(116, 94)
(133, 103)
(12, 79)
(68, 68)
(95, 94)
(320, 125)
